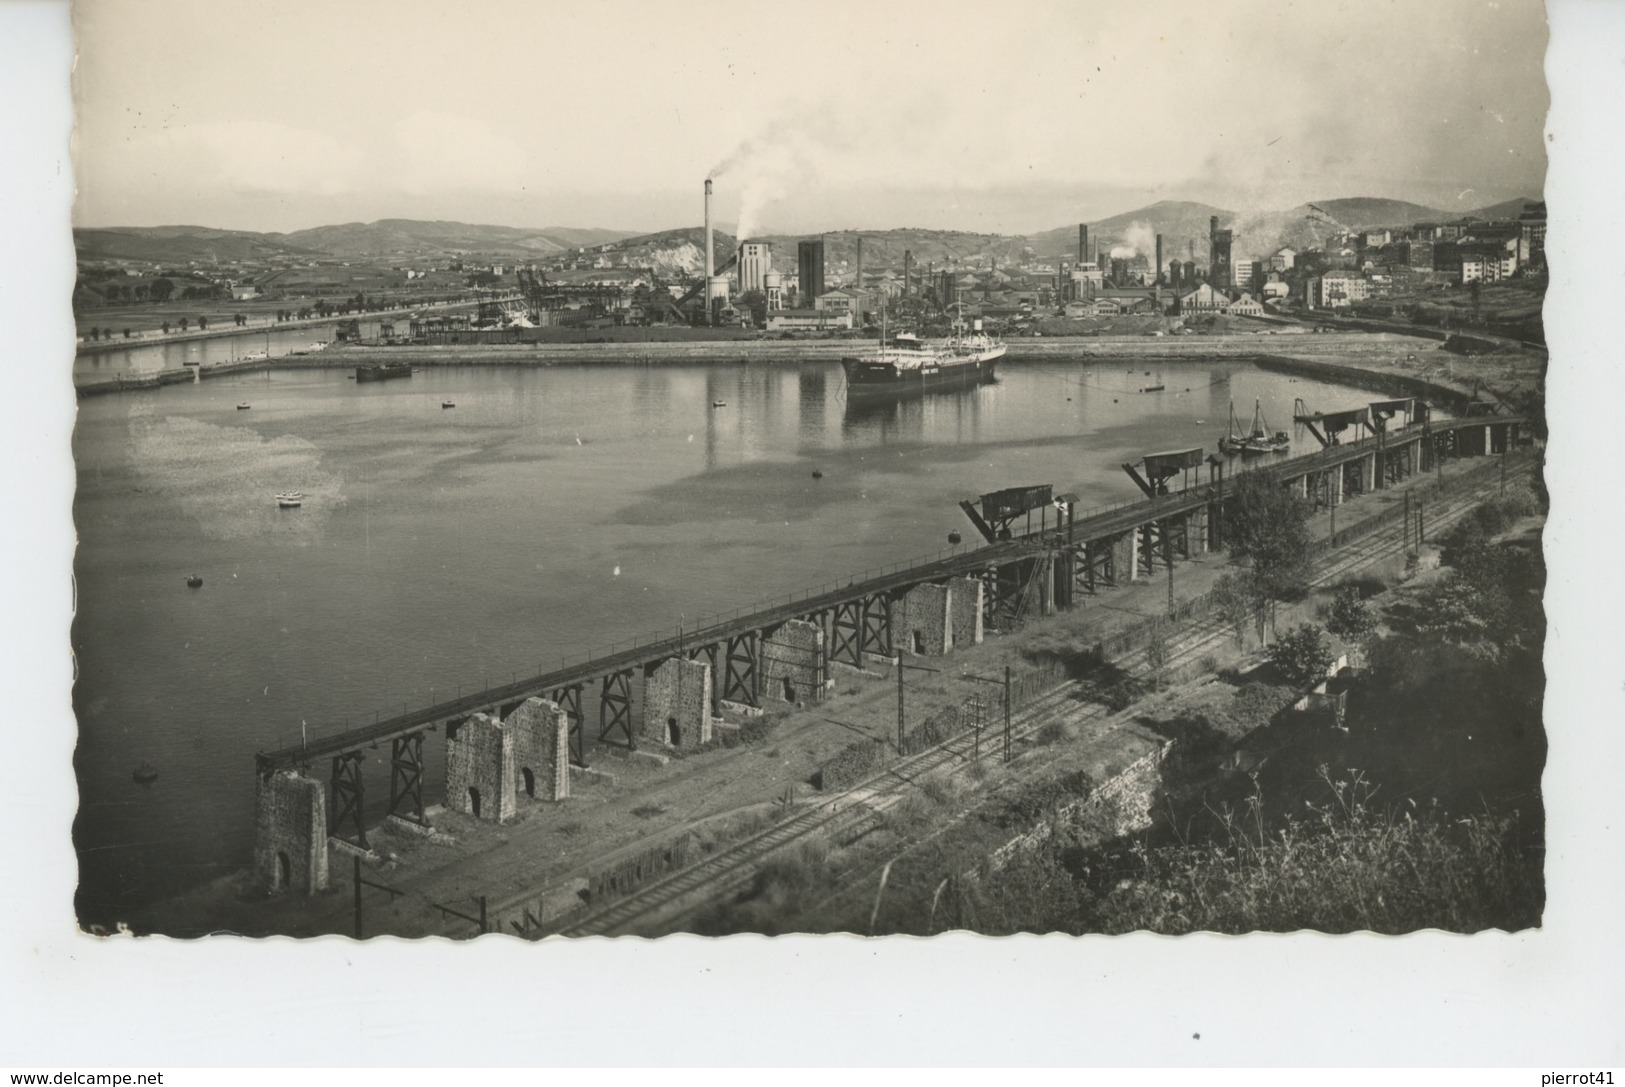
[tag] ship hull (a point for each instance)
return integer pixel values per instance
(877, 380)
(383, 371)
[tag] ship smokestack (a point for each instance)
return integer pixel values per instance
(1157, 267)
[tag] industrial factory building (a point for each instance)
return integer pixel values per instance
(755, 261)
(810, 268)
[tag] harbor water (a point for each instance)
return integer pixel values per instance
(551, 512)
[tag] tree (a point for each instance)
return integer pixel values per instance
(1301, 655)
(126, 334)
(183, 324)
(202, 324)
(1240, 600)
(1268, 526)
(1350, 615)
(166, 328)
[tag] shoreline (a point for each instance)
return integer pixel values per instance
(1349, 368)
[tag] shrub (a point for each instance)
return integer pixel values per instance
(939, 789)
(1349, 615)
(1301, 655)
(1051, 732)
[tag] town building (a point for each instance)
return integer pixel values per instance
(1336, 290)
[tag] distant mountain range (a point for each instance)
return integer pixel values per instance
(1182, 224)
(383, 239)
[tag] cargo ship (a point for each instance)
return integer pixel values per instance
(906, 364)
(383, 371)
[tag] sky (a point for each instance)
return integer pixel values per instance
(1008, 118)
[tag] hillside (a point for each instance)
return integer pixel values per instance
(384, 238)
(402, 237)
(179, 244)
(1506, 209)
(1364, 212)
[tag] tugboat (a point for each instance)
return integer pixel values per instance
(194, 582)
(244, 407)
(1258, 440)
(288, 500)
(447, 404)
(383, 371)
(145, 774)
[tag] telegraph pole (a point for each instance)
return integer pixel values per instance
(1007, 754)
(359, 883)
(900, 668)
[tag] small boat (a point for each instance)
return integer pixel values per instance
(244, 407)
(447, 404)
(145, 774)
(954, 537)
(1151, 389)
(191, 362)
(818, 474)
(719, 403)
(289, 499)
(193, 581)
(1258, 440)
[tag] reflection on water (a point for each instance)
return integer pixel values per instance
(556, 509)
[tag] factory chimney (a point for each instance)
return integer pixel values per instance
(710, 266)
(1156, 268)
(1083, 244)
(857, 284)
(908, 269)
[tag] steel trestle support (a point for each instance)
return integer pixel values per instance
(348, 794)
(406, 776)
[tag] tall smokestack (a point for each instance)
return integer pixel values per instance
(1212, 226)
(858, 283)
(908, 270)
(1083, 243)
(1156, 269)
(710, 262)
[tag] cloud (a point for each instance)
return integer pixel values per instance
(256, 156)
(440, 152)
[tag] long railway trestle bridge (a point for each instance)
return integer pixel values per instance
(526, 736)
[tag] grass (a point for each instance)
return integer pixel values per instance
(1345, 866)
(1052, 732)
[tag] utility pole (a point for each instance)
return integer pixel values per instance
(899, 711)
(1168, 558)
(358, 883)
(1331, 504)
(900, 668)
(1007, 753)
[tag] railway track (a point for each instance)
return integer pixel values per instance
(863, 806)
